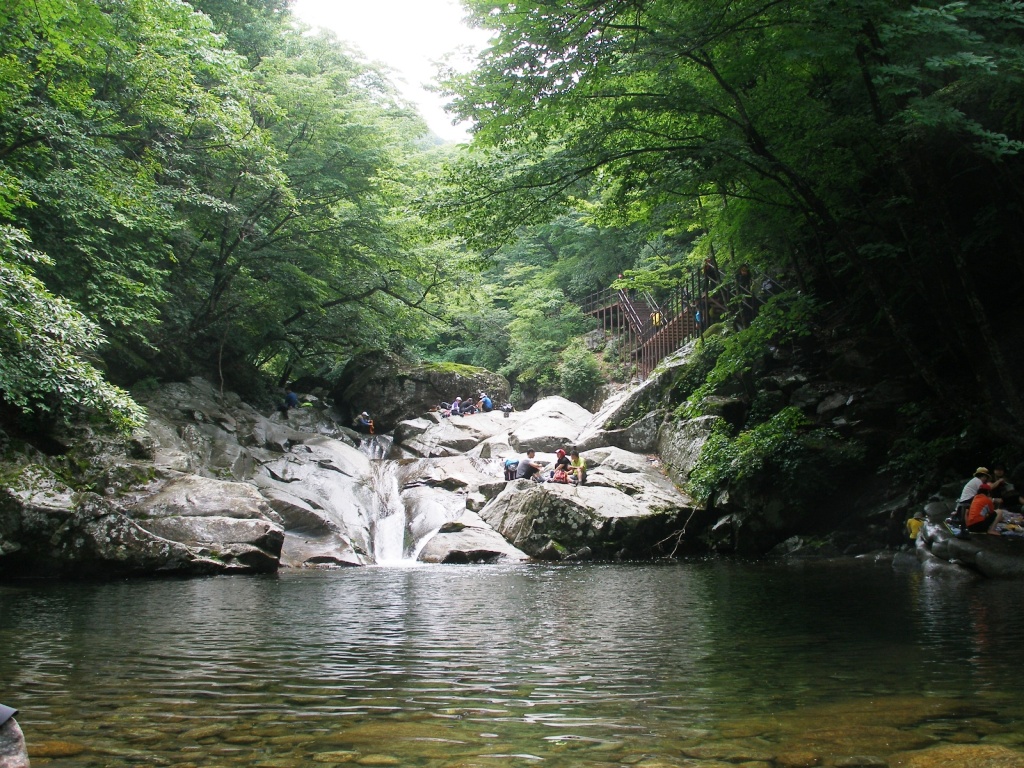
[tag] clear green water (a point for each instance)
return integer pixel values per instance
(705, 664)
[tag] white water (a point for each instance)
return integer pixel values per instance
(388, 519)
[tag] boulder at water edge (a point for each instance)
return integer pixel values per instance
(624, 509)
(13, 753)
(469, 540)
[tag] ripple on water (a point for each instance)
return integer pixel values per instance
(704, 665)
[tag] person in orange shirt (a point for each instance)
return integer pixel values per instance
(983, 514)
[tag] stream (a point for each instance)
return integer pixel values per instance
(690, 664)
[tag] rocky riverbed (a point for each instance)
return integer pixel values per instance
(214, 486)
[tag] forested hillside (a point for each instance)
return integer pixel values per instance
(200, 187)
(866, 154)
(209, 188)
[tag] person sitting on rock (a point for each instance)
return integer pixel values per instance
(1002, 486)
(528, 469)
(561, 464)
(983, 514)
(981, 475)
(467, 408)
(364, 424)
(456, 408)
(485, 403)
(577, 469)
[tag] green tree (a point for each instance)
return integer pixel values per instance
(818, 138)
(45, 344)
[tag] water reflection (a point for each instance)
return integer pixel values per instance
(584, 665)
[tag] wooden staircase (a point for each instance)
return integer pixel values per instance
(651, 331)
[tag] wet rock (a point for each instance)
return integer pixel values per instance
(680, 444)
(257, 543)
(55, 749)
(602, 517)
(991, 556)
(13, 753)
(196, 496)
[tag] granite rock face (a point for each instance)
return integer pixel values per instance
(213, 486)
(393, 390)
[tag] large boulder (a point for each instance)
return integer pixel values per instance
(469, 540)
(680, 444)
(394, 390)
(47, 529)
(551, 423)
(623, 511)
(433, 436)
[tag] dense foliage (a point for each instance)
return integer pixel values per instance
(867, 149)
(218, 192)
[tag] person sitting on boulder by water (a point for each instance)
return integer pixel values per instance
(981, 476)
(983, 513)
(528, 469)
(485, 403)
(364, 424)
(456, 409)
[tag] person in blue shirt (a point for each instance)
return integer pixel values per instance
(485, 404)
(364, 423)
(291, 400)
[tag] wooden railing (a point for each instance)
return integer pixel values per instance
(654, 328)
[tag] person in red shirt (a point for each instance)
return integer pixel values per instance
(983, 514)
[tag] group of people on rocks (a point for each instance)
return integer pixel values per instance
(988, 503)
(460, 407)
(567, 468)
(984, 501)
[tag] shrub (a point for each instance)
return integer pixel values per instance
(579, 374)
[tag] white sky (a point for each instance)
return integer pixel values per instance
(408, 36)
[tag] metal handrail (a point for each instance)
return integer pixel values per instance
(693, 297)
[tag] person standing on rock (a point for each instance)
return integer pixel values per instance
(914, 525)
(291, 400)
(528, 468)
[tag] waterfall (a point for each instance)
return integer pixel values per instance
(388, 525)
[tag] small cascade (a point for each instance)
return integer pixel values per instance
(394, 544)
(376, 446)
